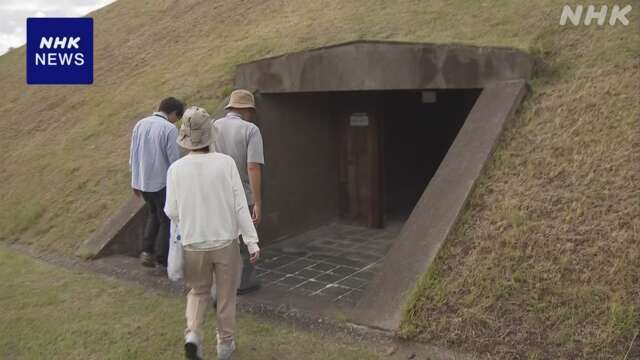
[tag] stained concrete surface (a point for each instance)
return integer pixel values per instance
(120, 234)
(300, 175)
(384, 65)
(333, 263)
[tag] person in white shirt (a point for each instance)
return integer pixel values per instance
(206, 199)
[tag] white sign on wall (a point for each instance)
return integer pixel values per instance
(359, 119)
(429, 97)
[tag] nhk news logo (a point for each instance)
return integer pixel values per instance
(59, 51)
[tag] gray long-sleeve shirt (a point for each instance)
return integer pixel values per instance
(153, 150)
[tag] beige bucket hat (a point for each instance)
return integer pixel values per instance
(196, 130)
(241, 99)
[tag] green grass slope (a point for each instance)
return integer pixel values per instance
(542, 262)
(54, 313)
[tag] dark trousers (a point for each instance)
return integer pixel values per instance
(156, 231)
(248, 279)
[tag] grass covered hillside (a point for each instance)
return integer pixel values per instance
(544, 261)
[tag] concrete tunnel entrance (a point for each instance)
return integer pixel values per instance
(371, 150)
(377, 151)
(356, 163)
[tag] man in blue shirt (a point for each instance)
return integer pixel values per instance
(153, 149)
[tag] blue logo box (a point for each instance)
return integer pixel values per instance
(59, 51)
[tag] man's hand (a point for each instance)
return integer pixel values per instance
(256, 215)
(255, 181)
(253, 258)
(136, 192)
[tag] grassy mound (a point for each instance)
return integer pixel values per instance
(542, 263)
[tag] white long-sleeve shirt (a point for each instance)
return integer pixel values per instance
(206, 199)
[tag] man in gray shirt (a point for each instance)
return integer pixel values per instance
(239, 138)
(153, 149)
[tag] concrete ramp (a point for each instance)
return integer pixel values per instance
(120, 234)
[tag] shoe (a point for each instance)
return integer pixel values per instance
(192, 348)
(249, 289)
(147, 260)
(249, 283)
(225, 349)
(159, 270)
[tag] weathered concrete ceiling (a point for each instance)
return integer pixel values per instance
(372, 65)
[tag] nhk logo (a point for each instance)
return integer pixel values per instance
(52, 58)
(59, 50)
(616, 14)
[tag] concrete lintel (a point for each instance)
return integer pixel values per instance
(376, 65)
(438, 209)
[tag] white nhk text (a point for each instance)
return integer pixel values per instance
(59, 58)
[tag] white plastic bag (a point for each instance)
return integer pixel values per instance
(175, 262)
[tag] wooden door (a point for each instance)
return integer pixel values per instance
(362, 168)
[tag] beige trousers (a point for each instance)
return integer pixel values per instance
(200, 268)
